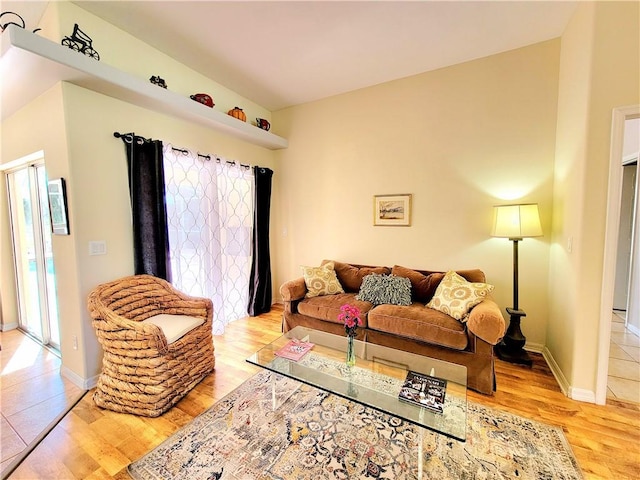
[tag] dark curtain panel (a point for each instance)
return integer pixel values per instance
(148, 206)
(260, 280)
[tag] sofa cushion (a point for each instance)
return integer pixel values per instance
(456, 296)
(351, 276)
(474, 275)
(327, 307)
(419, 323)
(321, 280)
(381, 289)
(423, 286)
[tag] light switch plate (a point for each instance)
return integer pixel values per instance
(98, 247)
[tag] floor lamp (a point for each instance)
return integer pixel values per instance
(515, 222)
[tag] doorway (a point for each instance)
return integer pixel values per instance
(625, 129)
(31, 237)
(625, 235)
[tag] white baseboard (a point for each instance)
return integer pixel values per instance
(84, 384)
(557, 373)
(534, 347)
(582, 395)
(633, 329)
(579, 394)
(9, 326)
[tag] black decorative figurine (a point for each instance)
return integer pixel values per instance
(156, 80)
(80, 42)
(12, 21)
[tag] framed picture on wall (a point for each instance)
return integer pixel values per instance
(57, 193)
(392, 210)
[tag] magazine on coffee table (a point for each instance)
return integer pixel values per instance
(424, 391)
(294, 350)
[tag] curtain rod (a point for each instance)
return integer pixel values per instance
(208, 157)
(128, 137)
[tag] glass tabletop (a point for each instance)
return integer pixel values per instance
(376, 380)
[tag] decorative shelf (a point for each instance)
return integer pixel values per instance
(30, 65)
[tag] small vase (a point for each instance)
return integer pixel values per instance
(351, 352)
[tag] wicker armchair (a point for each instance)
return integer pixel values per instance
(141, 373)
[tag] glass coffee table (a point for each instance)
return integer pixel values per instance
(374, 381)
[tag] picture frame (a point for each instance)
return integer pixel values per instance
(57, 193)
(392, 210)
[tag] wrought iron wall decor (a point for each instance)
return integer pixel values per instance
(157, 80)
(13, 19)
(80, 42)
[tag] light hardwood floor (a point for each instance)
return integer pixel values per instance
(98, 444)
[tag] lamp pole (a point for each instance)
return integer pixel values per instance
(511, 349)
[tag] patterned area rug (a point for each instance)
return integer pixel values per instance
(313, 435)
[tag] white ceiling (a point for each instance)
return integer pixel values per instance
(285, 53)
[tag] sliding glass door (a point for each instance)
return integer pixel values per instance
(35, 274)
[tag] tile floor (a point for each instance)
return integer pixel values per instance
(32, 393)
(624, 362)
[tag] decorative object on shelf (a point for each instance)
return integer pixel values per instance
(203, 98)
(263, 124)
(80, 42)
(157, 80)
(392, 210)
(25, 52)
(57, 193)
(12, 20)
(350, 316)
(515, 222)
(237, 112)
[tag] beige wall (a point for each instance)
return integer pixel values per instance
(97, 160)
(74, 127)
(460, 139)
(125, 52)
(599, 70)
(38, 127)
(95, 169)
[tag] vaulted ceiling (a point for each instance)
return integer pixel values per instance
(285, 53)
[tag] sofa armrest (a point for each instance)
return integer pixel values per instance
(486, 322)
(293, 290)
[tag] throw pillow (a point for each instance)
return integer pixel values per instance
(424, 286)
(456, 297)
(351, 276)
(321, 280)
(379, 289)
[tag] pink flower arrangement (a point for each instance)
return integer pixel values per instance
(350, 316)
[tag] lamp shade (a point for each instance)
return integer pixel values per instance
(516, 221)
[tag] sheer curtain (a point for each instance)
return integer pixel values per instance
(210, 217)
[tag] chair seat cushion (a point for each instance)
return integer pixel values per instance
(174, 327)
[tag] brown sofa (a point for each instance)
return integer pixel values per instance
(414, 328)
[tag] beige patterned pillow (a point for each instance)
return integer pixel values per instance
(455, 296)
(321, 280)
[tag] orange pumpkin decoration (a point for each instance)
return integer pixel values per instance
(237, 113)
